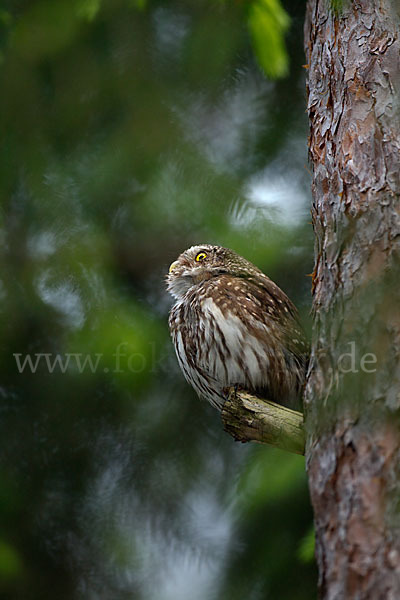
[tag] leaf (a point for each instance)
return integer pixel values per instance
(88, 9)
(5, 18)
(10, 562)
(305, 552)
(138, 4)
(268, 22)
(272, 475)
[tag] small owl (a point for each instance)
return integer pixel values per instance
(231, 325)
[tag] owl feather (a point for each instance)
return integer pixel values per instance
(233, 326)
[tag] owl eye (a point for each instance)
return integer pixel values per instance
(200, 256)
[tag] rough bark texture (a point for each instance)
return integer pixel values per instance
(352, 410)
(250, 419)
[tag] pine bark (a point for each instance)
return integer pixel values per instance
(352, 401)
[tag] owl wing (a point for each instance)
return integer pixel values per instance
(269, 316)
(278, 308)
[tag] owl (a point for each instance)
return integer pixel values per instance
(232, 326)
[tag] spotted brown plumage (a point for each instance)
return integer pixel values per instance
(232, 325)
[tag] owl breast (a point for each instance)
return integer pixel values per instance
(216, 348)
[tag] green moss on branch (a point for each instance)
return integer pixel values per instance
(251, 419)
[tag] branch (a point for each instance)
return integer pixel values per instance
(250, 419)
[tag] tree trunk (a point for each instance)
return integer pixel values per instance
(352, 403)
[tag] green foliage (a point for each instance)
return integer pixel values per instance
(10, 562)
(138, 4)
(271, 476)
(268, 23)
(88, 9)
(306, 548)
(47, 29)
(5, 17)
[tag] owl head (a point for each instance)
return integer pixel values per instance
(202, 262)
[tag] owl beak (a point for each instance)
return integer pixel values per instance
(173, 266)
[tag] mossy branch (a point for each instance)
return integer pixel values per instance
(251, 419)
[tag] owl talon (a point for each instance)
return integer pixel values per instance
(238, 388)
(227, 390)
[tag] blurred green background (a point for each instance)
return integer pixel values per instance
(129, 131)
